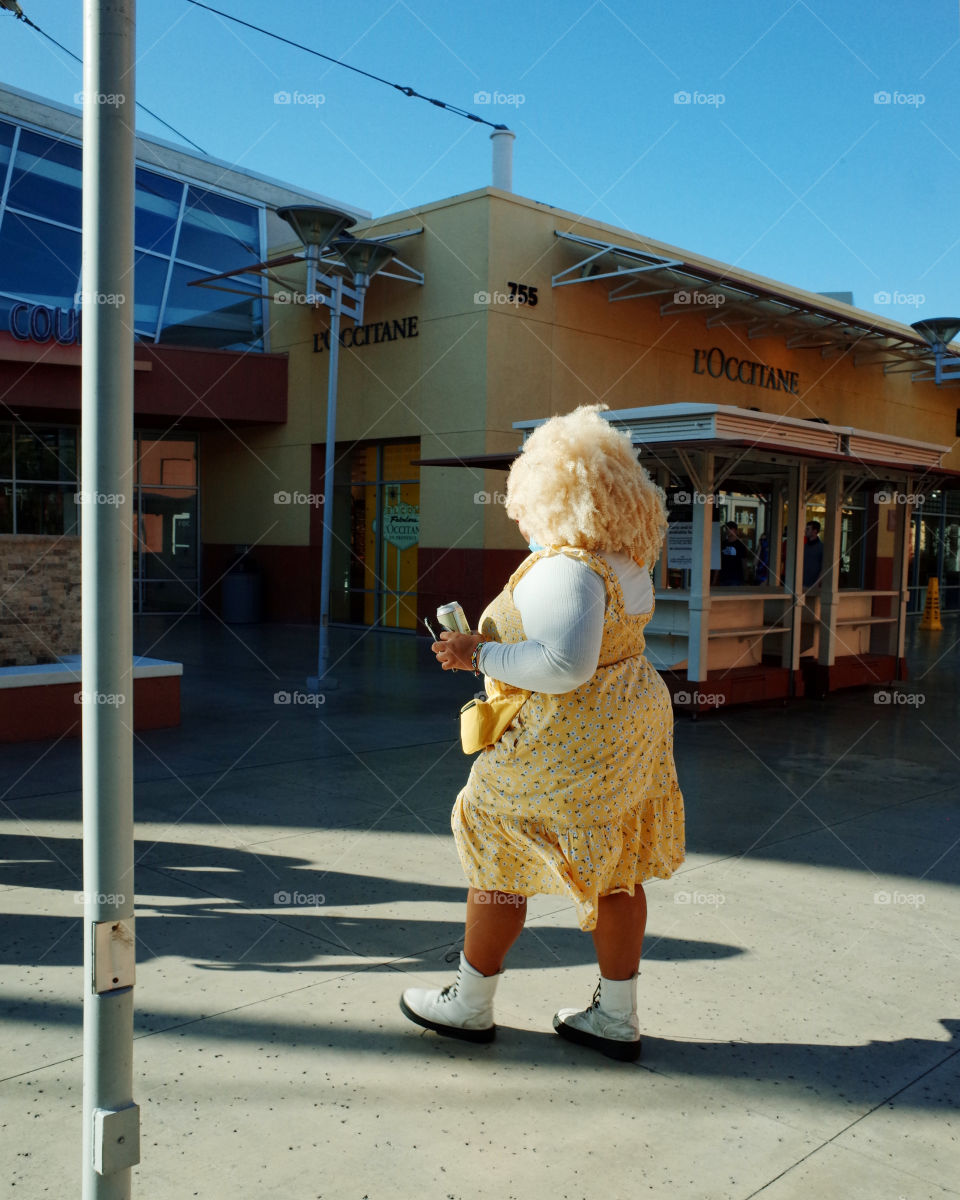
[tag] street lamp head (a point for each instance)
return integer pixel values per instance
(316, 225)
(938, 331)
(364, 257)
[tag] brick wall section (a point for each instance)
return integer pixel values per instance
(39, 599)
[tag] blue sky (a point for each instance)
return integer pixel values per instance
(785, 161)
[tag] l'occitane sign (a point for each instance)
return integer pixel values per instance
(718, 365)
(369, 335)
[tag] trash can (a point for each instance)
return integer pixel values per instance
(241, 598)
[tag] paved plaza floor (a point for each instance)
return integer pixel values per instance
(799, 994)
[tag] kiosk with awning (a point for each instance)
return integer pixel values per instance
(778, 637)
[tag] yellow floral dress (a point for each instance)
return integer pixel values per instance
(579, 797)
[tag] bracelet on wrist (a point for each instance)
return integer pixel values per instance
(475, 656)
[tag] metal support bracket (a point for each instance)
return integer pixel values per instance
(691, 469)
(114, 955)
(116, 1139)
(582, 271)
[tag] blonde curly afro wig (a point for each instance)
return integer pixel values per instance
(578, 483)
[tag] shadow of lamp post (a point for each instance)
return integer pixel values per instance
(339, 283)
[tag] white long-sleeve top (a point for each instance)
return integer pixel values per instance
(561, 602)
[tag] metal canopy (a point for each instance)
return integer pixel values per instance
(331, 260)
(760, 311)
(756, 446)
(671, 430)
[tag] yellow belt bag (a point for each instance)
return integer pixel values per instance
(484, 721)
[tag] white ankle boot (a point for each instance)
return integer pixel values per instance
(463, 1010)
(610, 1024)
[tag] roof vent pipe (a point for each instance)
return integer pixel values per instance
(503, 158)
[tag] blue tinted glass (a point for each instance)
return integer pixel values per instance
(39, 262)
(6, 140)
(158, 206)
(218, 232)
(197, 316)
(149, 276)
(5, 305)
(46, 178)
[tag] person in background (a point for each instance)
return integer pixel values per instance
(579, 797)
(812, 555)
(732, 554)
(762, 572)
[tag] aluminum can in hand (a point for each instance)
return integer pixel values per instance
(451, 616)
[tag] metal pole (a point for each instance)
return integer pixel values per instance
(329, 457)
(698, 631)
(900, 581)
(110, 1118)
(829, 581)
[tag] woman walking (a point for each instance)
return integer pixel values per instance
(579, 797)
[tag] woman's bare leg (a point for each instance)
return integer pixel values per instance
(618, 937)
(494, 921)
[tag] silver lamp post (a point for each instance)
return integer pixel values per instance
(319, 229)
(111, 1118)
(938, 332)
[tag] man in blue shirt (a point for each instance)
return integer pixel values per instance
(812, 555)
(732, 554)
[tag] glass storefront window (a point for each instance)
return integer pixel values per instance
(46, 508)
(168, 462)
(210, 317)
(376, 535)
(364, 464)
(6, 141)
(168, 534)
(398, 459)
(38, 488)
(166, 548)
(46, 178)
(6, 506)
(39, 262)
(49, 454)
(928, 545)
(206, 231)
(158, 207)
(853, 542)
(934, 550)
(150, 276)
(400, 533)
(217, 231)
(749, 511)
(38, 480)
(853, 539)
(951, 552)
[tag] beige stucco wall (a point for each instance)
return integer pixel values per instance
(577, 347)
(476, 367)
(432, 386)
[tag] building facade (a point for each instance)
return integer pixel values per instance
(203, 357)
(523, 311)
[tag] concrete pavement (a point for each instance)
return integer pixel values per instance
(799, 993)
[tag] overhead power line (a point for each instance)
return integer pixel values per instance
(14, 7)
(410, 92)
